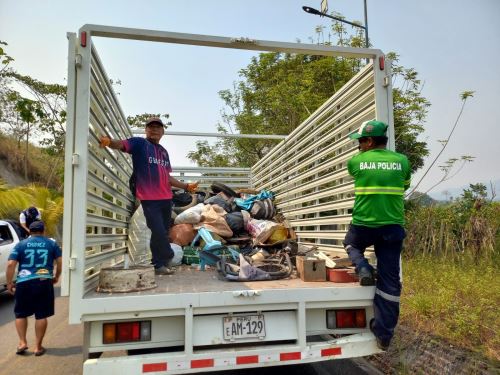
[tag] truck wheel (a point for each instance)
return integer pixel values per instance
(94, 355)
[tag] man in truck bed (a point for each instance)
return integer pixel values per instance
(380, 178)
(153, 187)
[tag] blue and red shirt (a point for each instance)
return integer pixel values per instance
(151, 167)
(36, 256)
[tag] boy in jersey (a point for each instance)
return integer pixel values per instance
(34, 290)
(380, 179)
(153, 187)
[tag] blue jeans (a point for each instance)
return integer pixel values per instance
(158, 214)
(388, 243)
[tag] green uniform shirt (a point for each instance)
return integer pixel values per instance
(380, 179)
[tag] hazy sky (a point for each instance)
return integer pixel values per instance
(454, 45)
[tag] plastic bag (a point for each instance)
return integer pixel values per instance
(279, 234)
(222, 201)
(260, 230)
(235, 222)
(213, 220)
(182, 234)
(190, 216)
(178, 254)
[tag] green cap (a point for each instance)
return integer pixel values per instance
(372, 128)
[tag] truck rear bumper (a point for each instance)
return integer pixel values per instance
(356, 345)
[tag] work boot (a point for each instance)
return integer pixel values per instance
(164, 271)
(382, 345)
(366, 277)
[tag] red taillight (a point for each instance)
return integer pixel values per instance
(83, 39)
(344, 319)
(381, 62)
(126, 332)
(353, 318)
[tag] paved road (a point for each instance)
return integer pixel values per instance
(64, 350)
(63, 343)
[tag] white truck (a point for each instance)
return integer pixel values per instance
(10, 235)
(194, 322)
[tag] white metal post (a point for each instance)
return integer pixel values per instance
(79, 155)
(68, 168)
(383, 97)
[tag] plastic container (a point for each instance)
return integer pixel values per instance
(191, 255)
(341, 275)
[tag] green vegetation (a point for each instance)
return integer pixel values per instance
(278, 91)
(34, 114)
(451, 284)
(41, 167)
(457, 300)
(14, 200)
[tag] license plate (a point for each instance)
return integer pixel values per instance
(244, 326)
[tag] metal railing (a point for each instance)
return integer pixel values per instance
(308, 170)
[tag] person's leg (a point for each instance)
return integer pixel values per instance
(40, 329)
(356, 241)
(388, 288)
(155, 222)
(21, 328)
(167, 218)
(23, 309)
(44, 308)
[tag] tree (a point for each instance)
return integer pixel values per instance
(5, 61)
(278, 91)
(51, 99)
(43, 111)
(30, 112)
(138, 121)
(410, 111)
(448, 166)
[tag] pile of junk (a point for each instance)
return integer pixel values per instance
(240, 234)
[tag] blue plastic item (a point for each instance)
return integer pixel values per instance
(212, 247)
(246, 204)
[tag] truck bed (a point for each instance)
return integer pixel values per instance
(191, 280)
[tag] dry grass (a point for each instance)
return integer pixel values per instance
(43, 169)
(451, 285)
(453, 230)
(456, 300)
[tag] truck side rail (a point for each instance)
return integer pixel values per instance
(308, 169)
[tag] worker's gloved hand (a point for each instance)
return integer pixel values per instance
(192, 187)
(104, 141)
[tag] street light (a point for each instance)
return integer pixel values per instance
(322, 14)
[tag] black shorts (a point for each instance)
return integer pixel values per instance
(34, 297)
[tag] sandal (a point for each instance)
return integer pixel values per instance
(22, 350)
(40, 352)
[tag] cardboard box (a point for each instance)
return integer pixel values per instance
(311, 268)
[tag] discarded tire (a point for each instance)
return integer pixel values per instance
(263, 209)
(217, 187)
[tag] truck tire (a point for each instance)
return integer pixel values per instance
(217, 187)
